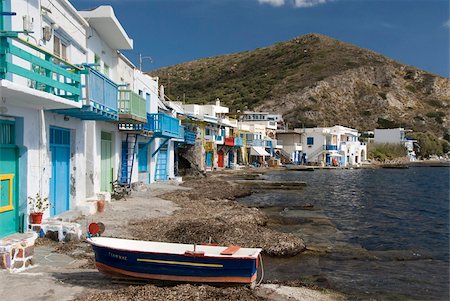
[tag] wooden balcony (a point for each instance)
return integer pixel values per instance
(131, 107)
(187, 136)
(100, 98)
(229, 141)
(34, 77)
(238, 141)
(162, 125)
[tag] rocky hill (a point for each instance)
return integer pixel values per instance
(314, 80)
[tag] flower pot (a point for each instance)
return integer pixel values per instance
(100, 205)
(36, 217)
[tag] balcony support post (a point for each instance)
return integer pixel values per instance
(160, 146)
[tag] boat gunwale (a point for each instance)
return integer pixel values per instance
(218, 256)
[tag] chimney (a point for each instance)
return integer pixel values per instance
(217, 101)
(161, 92)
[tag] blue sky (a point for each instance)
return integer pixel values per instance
(414, 32)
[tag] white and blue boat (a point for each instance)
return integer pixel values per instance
(175, 262)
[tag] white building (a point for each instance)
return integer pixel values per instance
(60, 107)
(292, 145)
(396, 136)
(337, 146)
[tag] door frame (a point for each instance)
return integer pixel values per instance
(111, 164)
(13, 187)
(53, 179)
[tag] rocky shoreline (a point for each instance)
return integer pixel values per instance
(208, 212)
(201, 210)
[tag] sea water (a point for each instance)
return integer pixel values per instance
(378, 234)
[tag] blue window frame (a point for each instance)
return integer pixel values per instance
(143, 157)
(310, 140)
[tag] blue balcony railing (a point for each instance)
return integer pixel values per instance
(162, 125)
(330, 147)
(41, 70)
(189, 137)
(181, 132)
(256, 142)
(238, 141)
(100, 98)
(219, 139)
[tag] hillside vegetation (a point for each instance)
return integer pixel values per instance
(314, 80)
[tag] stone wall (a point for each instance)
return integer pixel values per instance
(16, 252)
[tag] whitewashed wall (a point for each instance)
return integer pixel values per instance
(312, 151)
(388, 135)
(37, 155)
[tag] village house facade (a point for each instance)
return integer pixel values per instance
(74, 111)
(332, 146)
(76, 115)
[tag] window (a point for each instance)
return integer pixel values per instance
(106, 70)
(60, 48)
(207, 132)
(56, 46)
(310, 140)
(147, 101)
(97, 62)
(64, 52)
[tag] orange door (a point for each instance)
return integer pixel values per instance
(220, 158)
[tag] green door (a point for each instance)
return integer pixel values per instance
(9, 207)
(106, 162)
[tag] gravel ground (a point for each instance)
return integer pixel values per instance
(202, 210)
(209, 214)
(175, 293)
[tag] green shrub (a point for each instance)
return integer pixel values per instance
(429, 144)
(387, 124)
(411, 88)
(437, 116)
(383, 152)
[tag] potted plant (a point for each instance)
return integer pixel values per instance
(38, 205)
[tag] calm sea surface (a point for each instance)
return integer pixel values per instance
(379, 234)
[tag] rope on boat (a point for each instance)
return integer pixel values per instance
(262, 270)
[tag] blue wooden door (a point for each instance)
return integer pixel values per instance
(231, 159)
(161, 165)
(59, 183)
(208, 159)
(9, 208)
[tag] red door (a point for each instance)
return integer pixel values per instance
(220, 158)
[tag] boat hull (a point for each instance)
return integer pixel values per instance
(174, 267)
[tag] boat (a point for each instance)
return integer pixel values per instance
(124, 258)
(292, 167)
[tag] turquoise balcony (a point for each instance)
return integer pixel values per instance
(100, 98)
(238, 141)
(330, 147)
(131, 107)
(256, 142)
(186, 135)
(190, 137)
(34, 77)
(162, 125)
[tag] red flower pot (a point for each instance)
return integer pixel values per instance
(36, 217)
(100, 206)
